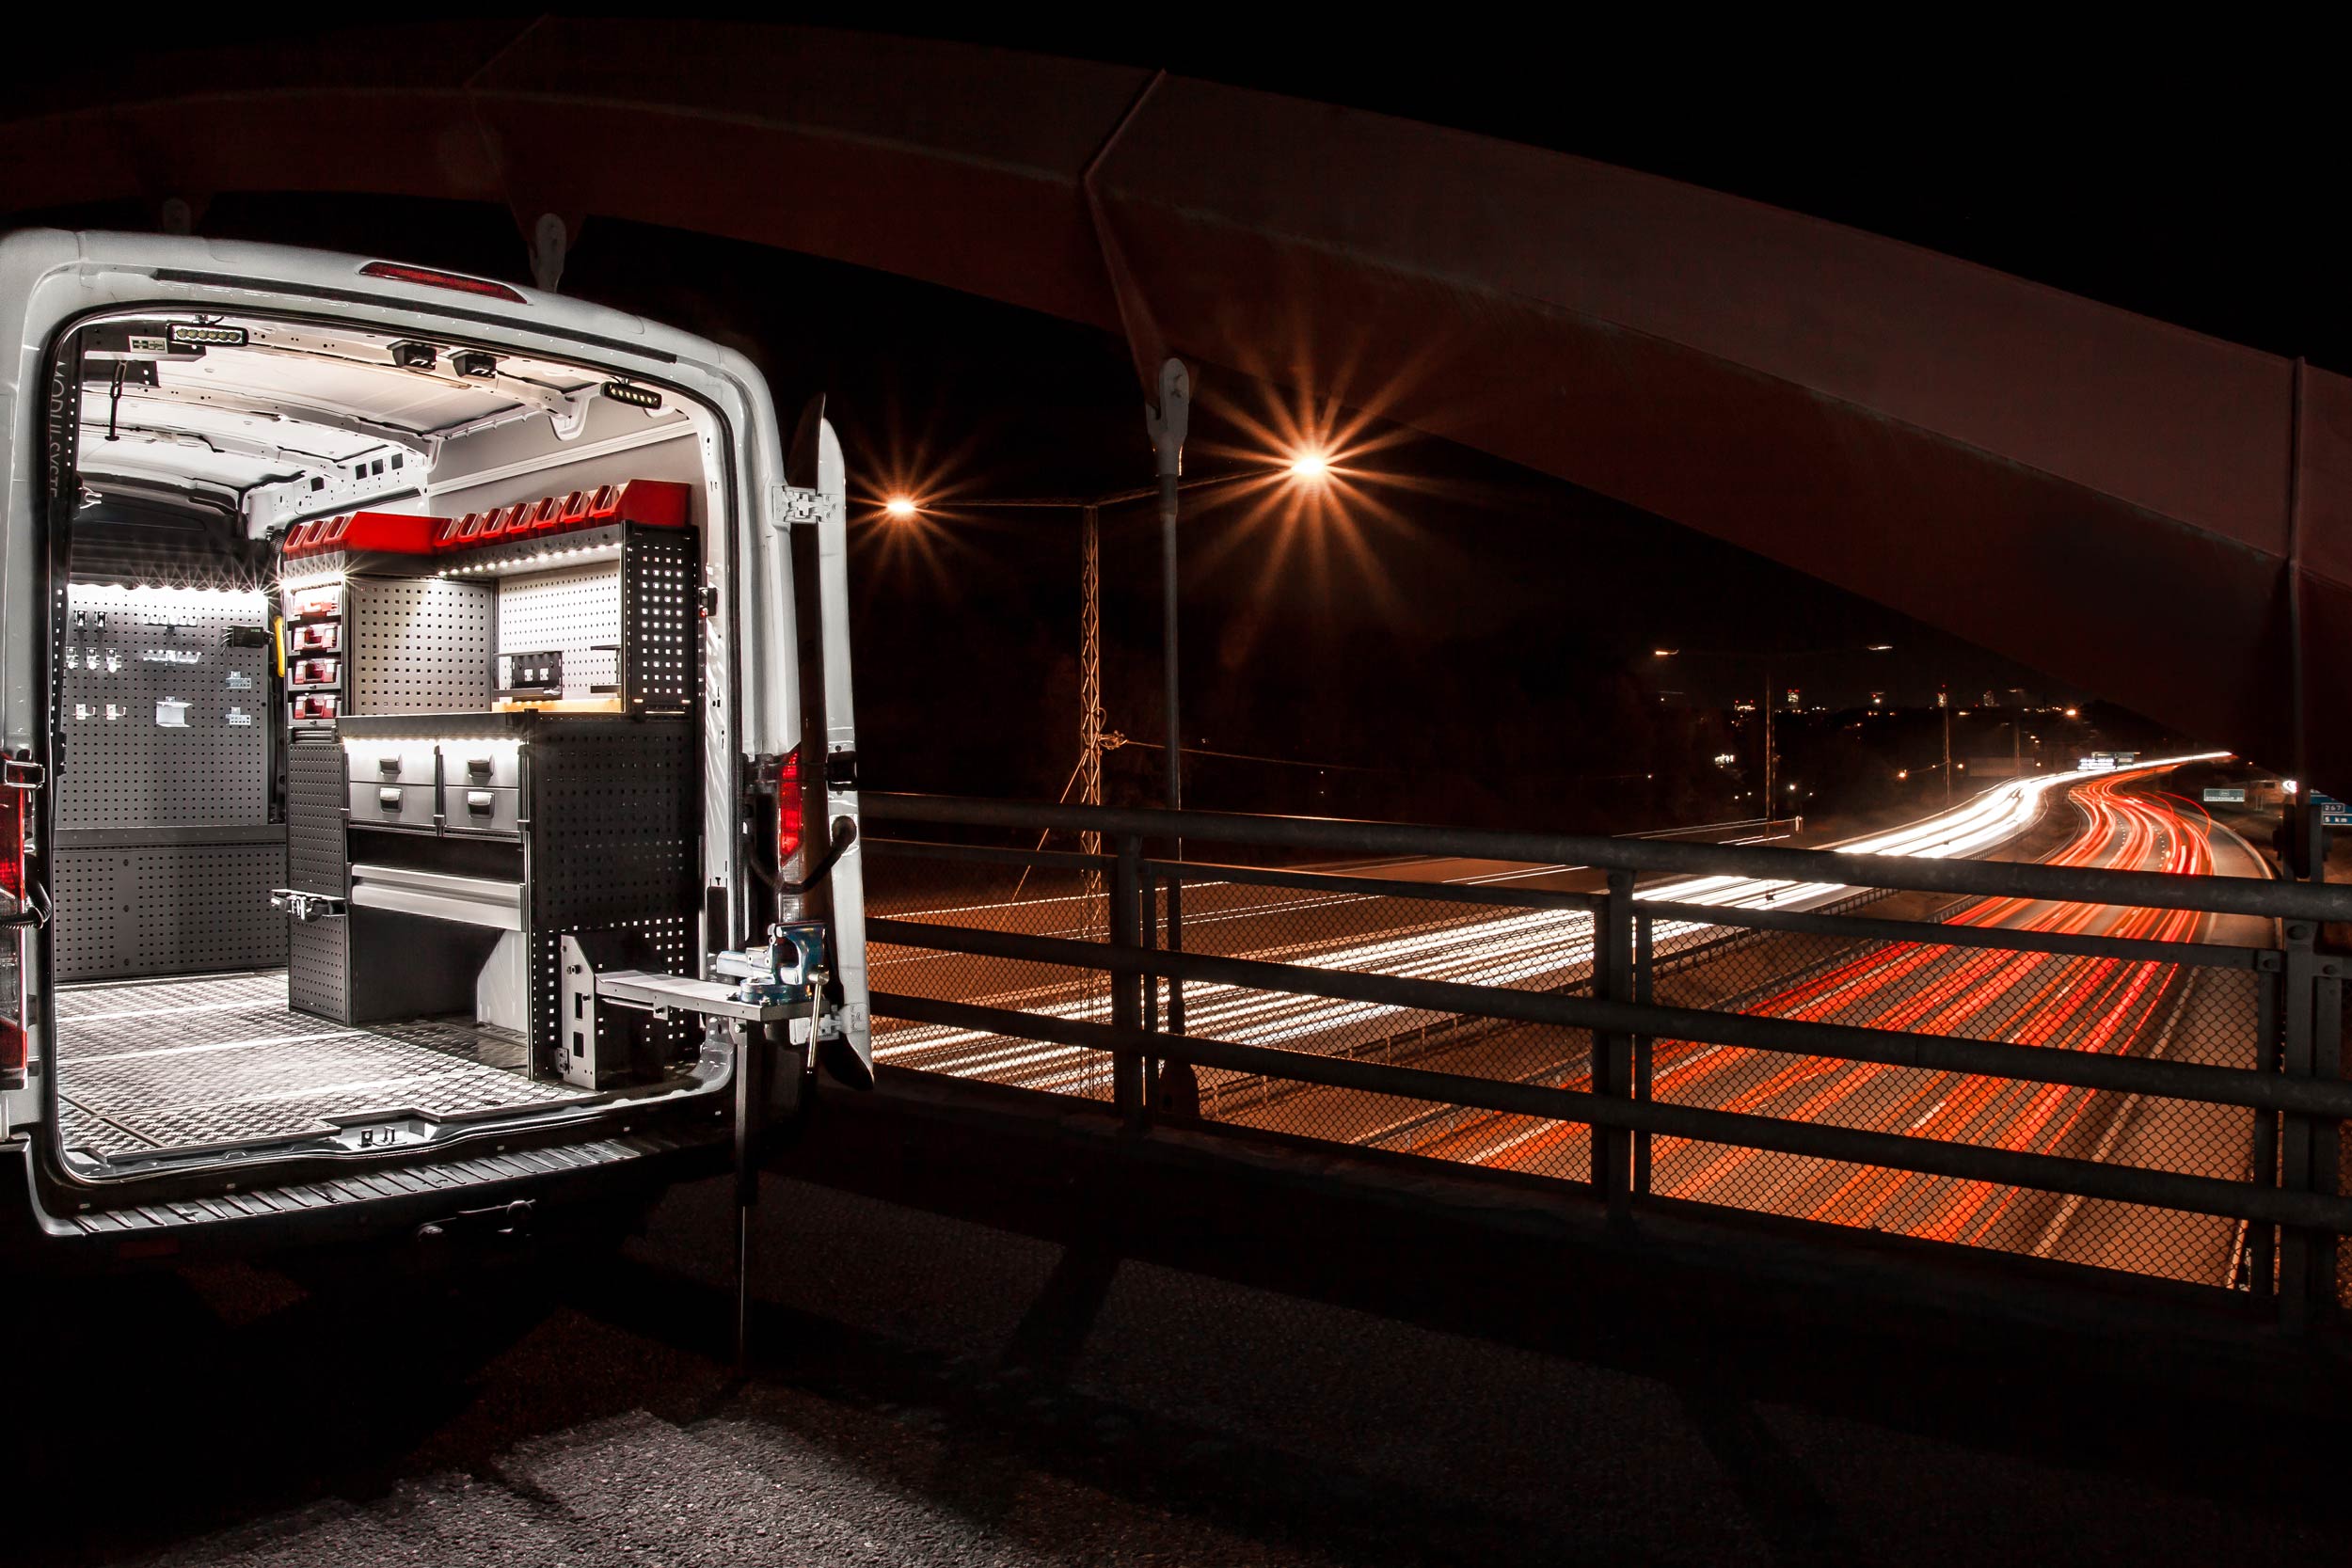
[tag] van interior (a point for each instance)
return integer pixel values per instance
(376, 662)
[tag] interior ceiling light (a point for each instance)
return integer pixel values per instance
(636, 397)
(188, 335)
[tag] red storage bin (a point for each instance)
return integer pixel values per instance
(654, 502)
(548, 515)
(387, 531)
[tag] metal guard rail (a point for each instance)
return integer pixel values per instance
(2055, 1173)
(2311, 901)
(2220, 1085)
(2289, 1206)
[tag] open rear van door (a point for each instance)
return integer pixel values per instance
(770, 829)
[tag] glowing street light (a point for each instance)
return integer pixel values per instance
(1311, 465)
(900, 506)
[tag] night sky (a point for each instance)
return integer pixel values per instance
(1470, 640)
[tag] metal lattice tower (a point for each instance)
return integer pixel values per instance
(1092, 913)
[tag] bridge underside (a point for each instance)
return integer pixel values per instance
(2158, 516)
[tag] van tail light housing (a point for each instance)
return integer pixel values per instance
(14, 1051)
(791, 812)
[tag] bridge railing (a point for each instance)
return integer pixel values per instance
(2144, 1079)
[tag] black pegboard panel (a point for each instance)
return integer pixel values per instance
(318, 976)
(125, 655)
(89, 914)
(670, 949)
(660, 583)
(418, 645)
(315, 796)
(169, 909)
(612, 833)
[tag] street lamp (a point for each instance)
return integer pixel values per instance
(901, 507)
(1311, 465)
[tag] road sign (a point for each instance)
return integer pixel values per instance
(2225, 797)
(2333, 812)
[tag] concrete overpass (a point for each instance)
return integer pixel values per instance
(2160, 517)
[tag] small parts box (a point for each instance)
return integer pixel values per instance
(385, 531)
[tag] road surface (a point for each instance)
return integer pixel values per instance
(2057, 1001)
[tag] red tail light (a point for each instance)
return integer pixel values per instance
(12, 843)
(13, 1042)
(464, 285)
(791, 811)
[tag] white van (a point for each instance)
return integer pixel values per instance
(427, 785)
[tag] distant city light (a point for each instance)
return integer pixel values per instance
(1902, 773)
(2074, 713)
(900, 506)
(1879, 648)
(1664, 652)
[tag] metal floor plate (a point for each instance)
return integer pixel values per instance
(194, 1063)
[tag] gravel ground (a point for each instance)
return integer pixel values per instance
(931, 1392)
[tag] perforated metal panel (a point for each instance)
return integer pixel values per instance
(168, 909)
(314, 816)
(659, 568)
(318, 973)
(130, 661)
(575, 609)
(670, 949)
(613, 830)
(418, 645)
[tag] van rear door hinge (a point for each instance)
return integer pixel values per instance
(796, 505)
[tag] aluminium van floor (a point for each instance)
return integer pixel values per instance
(190, 1064)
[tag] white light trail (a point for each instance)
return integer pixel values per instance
(1506, 950)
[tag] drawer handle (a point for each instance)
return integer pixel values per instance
(389, 766)
(387, 799)
(480, 801)
(477, 768)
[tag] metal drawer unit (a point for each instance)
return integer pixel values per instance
(416, 807)
(600, 811)
(393, 762)
(493, 812)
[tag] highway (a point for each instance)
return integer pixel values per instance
(2047, 1000)
(2054, 1001)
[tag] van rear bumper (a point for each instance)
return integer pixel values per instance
(372, 1202)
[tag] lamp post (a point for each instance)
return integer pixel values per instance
(1167, 423)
